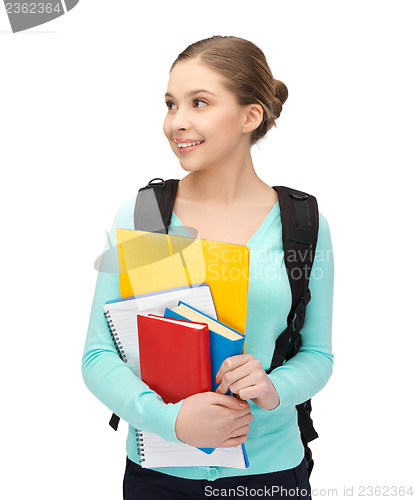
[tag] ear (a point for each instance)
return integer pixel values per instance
(253, 117)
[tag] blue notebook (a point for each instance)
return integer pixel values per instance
(224, 340)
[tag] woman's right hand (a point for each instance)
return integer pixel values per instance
(212, 420)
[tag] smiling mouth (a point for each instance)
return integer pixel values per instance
(187, 147)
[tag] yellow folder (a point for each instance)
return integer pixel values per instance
(150, 262)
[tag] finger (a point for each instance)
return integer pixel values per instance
(233, 376)
(240, 431)
(241, 420)
(243, 413)
(231, 363)
(229, 401)
(231, 442)
(242, 383)
(250, 392)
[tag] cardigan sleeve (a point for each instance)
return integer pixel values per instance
(110, 379)
(301, 377)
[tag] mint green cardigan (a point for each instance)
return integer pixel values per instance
(273, 442)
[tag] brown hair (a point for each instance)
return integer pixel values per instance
(246, 73)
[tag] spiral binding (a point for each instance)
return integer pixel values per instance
(140, 445)
(115, 337)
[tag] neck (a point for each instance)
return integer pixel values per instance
(224, 184)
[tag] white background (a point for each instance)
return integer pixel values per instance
(81, 112)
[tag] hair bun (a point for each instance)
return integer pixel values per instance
(281, 91)
(281, 95)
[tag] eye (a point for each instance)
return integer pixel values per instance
(169, 104)
(200, 100)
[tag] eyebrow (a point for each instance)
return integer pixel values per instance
(193, 92)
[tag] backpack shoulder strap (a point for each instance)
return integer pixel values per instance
(154, 205)
(152, 212)
(300, 221)
(299, 217)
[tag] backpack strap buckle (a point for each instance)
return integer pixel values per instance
(295, 323)
(305, 299)
(151, 183)
(297, 195)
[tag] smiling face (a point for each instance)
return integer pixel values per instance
(201, 109)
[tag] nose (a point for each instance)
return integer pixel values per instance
(181, 119)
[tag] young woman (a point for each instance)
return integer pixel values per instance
(221, 100)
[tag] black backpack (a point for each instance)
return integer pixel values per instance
(299, 217)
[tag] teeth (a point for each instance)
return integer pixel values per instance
(187, 144)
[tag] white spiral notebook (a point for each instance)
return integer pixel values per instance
(156, 452)
(121, 315)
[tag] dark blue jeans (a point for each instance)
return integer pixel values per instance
(147, 484)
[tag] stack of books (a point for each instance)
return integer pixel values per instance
(172, 337)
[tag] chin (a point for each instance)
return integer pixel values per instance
(187, 169)
(191, 168)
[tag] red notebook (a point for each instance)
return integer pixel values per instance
(174, 356)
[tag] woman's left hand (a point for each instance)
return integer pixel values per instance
(245, 376)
